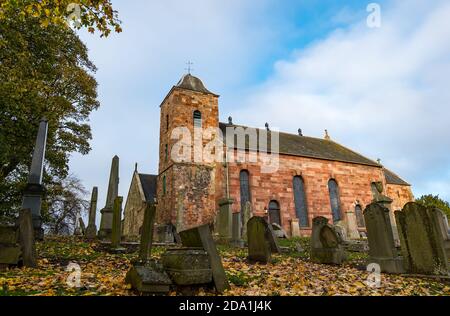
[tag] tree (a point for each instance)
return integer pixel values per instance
(435, 201)
(44, 72)
(65, 203)
(93, 14)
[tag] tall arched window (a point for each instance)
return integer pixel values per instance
(335, 201)
(359, 216)
(244, 178)
(301, 208)
(197, 118)
(274, 213)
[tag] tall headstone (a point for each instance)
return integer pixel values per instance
(26, 233)
(32, 196)
(259, 245)
(91, 230)
(246, 215)
(352, 226)
(422, 241)
(225, 219)
(116, 234)
(382, 248)
(113, 191)
(326, 244)
(148, 276)
(237, 230)
(201, 237)
(295, 228)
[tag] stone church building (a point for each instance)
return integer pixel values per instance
(315, 177)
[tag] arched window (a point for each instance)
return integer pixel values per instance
(335, 201)
(301, 208)
(244, 178)
(359, 216)
(274, 213)
(197, 118)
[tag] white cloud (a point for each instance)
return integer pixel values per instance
(384, 92)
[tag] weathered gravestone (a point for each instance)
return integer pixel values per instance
(82, 226)
(247, 213)
(91, 230)
(237, 230)
(278, 231)
(32, 195)
(199, 258)
(148, 276)
(167, 233)
(295, 227)
(261, 240)
(116, 235)
(326, 244)
(107, 212)
(225, 219)
(422, 240)
(17, 245)
(382, 248)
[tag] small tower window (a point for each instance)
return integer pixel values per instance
(164, 185)
(197, 119)
(167, 122)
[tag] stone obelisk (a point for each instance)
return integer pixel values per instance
(32, 195)
(91, 230)
(107, 211)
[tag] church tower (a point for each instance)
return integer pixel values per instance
(186, 183)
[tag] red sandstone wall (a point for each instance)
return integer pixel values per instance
(354, 184)
(401, 194)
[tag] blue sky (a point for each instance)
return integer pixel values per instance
(311, 64)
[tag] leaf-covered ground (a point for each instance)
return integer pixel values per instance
(290, 273)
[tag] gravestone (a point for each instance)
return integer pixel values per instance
(246, 215)
(148, 276)
(261, 240)
(278, 231)
(34, 190)
(237, 230)
(352, 225)
(422, 241)
(295, 228)
(225, 219)
(201, 238)
(116, 235)
(26, 238)
(91, 230)
(10, 250)
(82, 226)
(382, 248)
(113, 191)
(326, 244)
(167, 233)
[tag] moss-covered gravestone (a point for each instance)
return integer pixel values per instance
(422, 240)
(382, 248)
(148, 276)
(200, 238)
(116, 234)
(326, 244)
(261, 240)
(10, 251)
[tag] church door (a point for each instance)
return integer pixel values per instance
(274, 213)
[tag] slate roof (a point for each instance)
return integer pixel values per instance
(190, 82)
(148, 182)
(311, 147)
(392, 178)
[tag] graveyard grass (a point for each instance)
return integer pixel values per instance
(289, 273)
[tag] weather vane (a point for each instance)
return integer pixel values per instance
(189, 69)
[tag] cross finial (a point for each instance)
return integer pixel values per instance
(189, 69)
